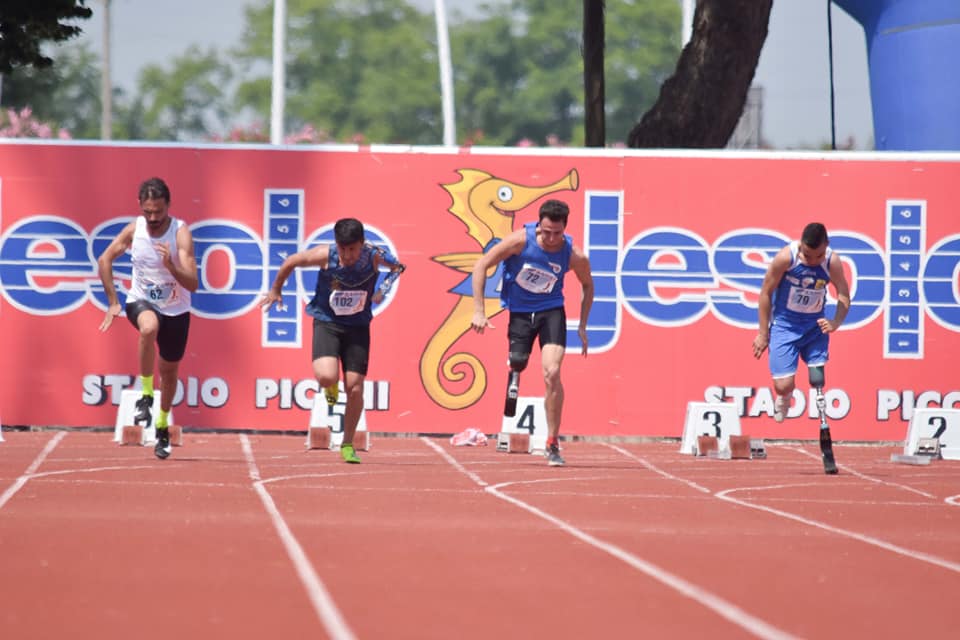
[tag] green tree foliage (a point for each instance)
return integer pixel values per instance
(371, 67)
(188, 101)
(25, 25)
(519, 75)
(67, 92)
(353, 67)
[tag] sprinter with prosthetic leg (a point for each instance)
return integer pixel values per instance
(793, 325)
(536, 258)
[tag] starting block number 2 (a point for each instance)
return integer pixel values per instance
(942, 425)
(719, 419)
(531, 418)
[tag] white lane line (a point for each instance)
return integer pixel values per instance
(22, 480)
(450, 459)
(656, 469)
(854, 472)
(915, 555)
(718, 605)
(326, 610)
(876, 542)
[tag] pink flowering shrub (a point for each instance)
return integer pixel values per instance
(254, 132)
(22, 124)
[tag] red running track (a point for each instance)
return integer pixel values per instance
(254, 537)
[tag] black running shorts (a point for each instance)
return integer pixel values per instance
(349, 343)
(173, 331)
(549, 326)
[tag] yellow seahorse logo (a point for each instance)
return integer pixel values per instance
(486, 204)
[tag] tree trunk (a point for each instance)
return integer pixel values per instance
(700, 104)
(593, 73)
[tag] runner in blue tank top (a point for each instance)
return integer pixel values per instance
(536, 258)
(342, 310)
(792, 322)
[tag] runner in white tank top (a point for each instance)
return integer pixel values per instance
(158, 302)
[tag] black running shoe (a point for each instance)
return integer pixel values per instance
(513, 391)
(162, 449)
(144, 417)
(553, 456)
(826, 448)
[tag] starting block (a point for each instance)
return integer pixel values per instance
(928, 447)
(707, 445)
(910, 459)
(529, 423)
(137, 435)
(716, 419)
(758, 449)
(322, 438)
(331, 418)
(514, 442)
(125, 414)
(934, 432)
(740, 448)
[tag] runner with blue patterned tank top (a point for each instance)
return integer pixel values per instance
(536, 258)
(342, 308)
(792, 322)
(158, 302)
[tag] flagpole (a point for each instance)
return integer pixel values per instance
(446, 74)
(277, 100)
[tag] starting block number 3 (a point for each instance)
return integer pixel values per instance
(719, 419)
(531, 418)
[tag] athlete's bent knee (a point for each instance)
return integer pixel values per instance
(817, 377)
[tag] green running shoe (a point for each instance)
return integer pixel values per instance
(348, 454)
(332, 393)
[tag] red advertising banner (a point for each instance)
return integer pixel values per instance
(678, 244)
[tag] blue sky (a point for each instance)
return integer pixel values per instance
(793, 68)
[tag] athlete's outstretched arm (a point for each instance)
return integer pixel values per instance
(580, 265)
(105, 268)
(778, 266)
(315, 257)
(510, 245)
(382, 257)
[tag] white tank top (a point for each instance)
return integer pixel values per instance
(152, 281)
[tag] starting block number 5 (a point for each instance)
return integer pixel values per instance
(531, 418)
(323, 416)
(719, 419)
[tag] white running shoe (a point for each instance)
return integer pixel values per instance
(780, 408)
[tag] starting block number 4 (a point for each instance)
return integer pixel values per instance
(942, 425)
(531, 419)
(322, 415)
(128, 409)
(718, 419)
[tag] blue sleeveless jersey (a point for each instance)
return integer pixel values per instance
(345, 294)
(799, 299)
(533, 279)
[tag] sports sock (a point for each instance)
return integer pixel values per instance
(552, 441)
(162, 419)
(147, 383)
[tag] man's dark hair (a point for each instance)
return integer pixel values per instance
(555, 210)
(814, 235)
(154, 189)
(347, 231)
